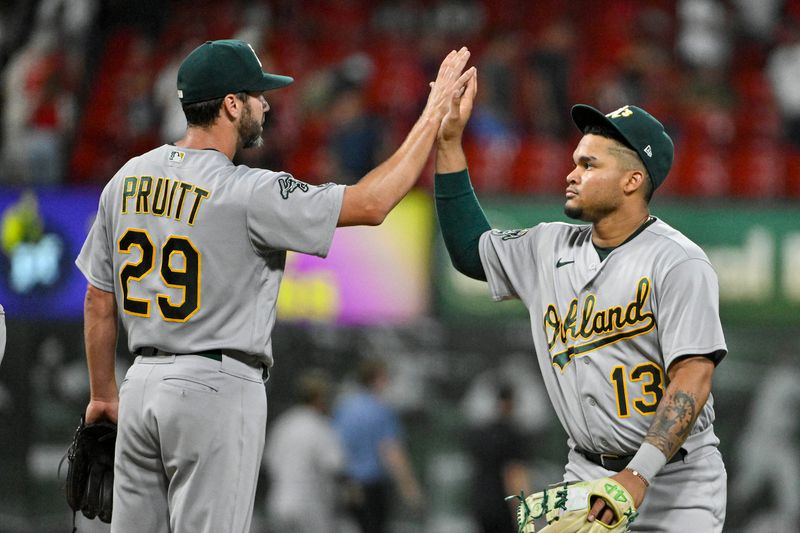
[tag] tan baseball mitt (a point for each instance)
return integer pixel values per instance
(563, 508)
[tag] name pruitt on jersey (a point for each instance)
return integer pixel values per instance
(167, 199)
(614, 324)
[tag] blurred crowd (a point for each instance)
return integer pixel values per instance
(345, 448)
(87, 84)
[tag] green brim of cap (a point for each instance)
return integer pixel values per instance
(272, 81)
(584, 115)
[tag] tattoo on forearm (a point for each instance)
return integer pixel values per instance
(673, 422)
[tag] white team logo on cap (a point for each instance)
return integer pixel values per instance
(623, 111)
(648, 150)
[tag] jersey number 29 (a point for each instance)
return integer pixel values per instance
(186, 278)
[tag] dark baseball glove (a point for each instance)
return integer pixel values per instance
(90, 472)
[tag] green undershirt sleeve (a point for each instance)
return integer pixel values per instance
(462, 221)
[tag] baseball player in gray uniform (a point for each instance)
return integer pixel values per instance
(189, 249)
(624, 315)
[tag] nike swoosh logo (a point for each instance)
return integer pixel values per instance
(561, 263)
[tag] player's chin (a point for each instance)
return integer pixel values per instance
(573, 212)
(253, 141)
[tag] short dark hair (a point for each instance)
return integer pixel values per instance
(203, 114)
(611, 133)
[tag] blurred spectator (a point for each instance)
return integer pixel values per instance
(783, 72)
(494, 117)
(498, 451)
(40, 85)
(493, 131)
(545, 86)
(355, 136)
(135, 96)
(643, 69)
(704, 36)
(401, 19)
(372, 437)
(305, 459)
(165, 96)
(38, 102)
(769, 453)
(457, 18)
(759, 19)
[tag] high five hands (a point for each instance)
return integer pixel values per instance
(452, 82)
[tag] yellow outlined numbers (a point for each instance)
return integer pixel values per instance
(651, 377)
(138, 238)
(185, 276)
(186, 279)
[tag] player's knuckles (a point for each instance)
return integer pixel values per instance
(188, 383)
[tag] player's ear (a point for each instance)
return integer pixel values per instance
(232, 106)
(635, 180)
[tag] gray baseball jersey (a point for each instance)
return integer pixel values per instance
(605, 332)
(194, 247)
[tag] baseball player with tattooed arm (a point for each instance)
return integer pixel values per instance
(190, 249)
(624, 316)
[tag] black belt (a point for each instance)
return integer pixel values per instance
(150, 351)
(617, 463)
(216, 355)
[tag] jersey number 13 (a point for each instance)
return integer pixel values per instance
(650, 377)
(185, 278)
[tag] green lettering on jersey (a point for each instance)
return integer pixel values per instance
(598, 328)
(157, 197)
(160, 196)
(143, 194)
(128, 191)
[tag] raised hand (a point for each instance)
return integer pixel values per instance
(450, 80)
(459, 109)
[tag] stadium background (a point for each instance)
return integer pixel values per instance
(88, 83)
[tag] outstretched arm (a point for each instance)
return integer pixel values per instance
(376, 194)
(100, 336)
(460, 215)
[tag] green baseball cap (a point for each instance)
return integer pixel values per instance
(642, 131)
(217, 68)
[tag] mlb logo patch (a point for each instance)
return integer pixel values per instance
(176, 156)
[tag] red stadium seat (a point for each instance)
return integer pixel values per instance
(541, 166)
(758, 169)
(701, 170)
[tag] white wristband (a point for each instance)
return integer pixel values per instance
(648, 461)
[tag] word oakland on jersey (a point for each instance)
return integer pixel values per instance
(150, 246)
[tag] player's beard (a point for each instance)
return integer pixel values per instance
(591, 213)
(250, 130)
(579, 213)
(575, 213)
